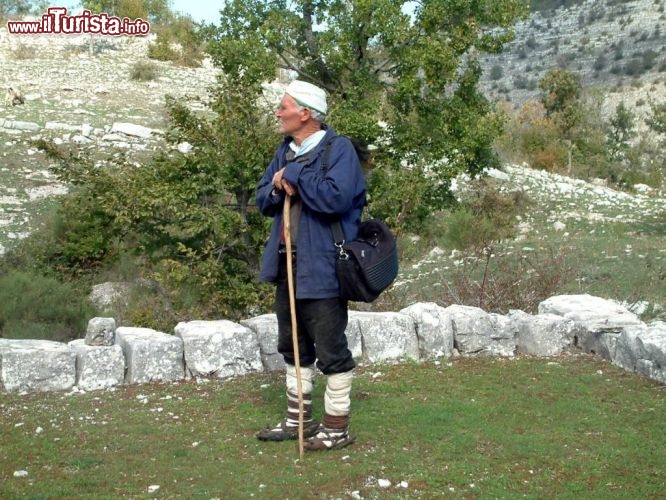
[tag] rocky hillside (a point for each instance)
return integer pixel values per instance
(617, 46)
(608, 43)
(74, 97)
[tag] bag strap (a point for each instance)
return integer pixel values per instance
(336, 227)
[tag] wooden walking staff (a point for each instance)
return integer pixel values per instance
(292, 307)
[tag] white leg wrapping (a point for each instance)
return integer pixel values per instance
(307, 379)
(337, 399)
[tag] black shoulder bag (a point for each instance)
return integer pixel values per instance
(369, 264)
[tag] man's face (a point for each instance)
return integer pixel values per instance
(291, 117)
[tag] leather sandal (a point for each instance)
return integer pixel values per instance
(329, 439)
(283, 432)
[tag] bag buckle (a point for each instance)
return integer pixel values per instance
(343, 255)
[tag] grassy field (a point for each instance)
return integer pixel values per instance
(566, 427)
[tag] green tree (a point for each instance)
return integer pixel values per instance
(657, 120)
(416, 72)
(190, 216)
(561, 90)
(235, 143)
(621, 130)
(561, 99)
(177, 41)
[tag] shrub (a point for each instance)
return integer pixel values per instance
(39, 307)
(618, 54)
(144, 71)
(649, 59)
(75, 238)
(176, 214)
(161, 50)
(634, 67)
(484, 216)
(23, 52)
(496, 72)
(600, 63)
(550, 158)
(502, 282)
(520, 82)
(177, 42)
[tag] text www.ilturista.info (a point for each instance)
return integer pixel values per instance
(56, 21)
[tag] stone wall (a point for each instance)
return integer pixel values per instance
(111, 356)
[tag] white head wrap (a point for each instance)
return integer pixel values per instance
(308, 95)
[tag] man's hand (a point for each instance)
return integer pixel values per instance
(281, 184)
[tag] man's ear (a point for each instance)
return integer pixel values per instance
(306, 115)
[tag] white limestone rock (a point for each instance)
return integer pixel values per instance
(642, 349)
(36, 365)
(434, 329)
(81, 139)
(185, 147)
(23, 126)
(628, 349)
(386, 336)
(543, 334)
(354, 338)
(62, 126)
(219, 348)
(595, 313)
(100, 331)
(477, 332)
(150, 356)
(114, 138)
(503, 341)
(652, 362)
(265, 328)
(98, 366)
(132, 129)
(106, 295)
(602, 320)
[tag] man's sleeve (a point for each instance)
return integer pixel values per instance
(331, 192)
(269, 202)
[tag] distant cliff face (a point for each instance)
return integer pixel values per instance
(613, 44)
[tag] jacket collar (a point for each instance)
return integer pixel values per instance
(319, 148)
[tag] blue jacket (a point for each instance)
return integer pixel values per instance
(339, 194)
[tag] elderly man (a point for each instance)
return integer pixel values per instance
(319, 197)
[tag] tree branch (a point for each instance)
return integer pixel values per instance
(309, 33)
(289, 65)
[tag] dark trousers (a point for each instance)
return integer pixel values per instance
(321, 325)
